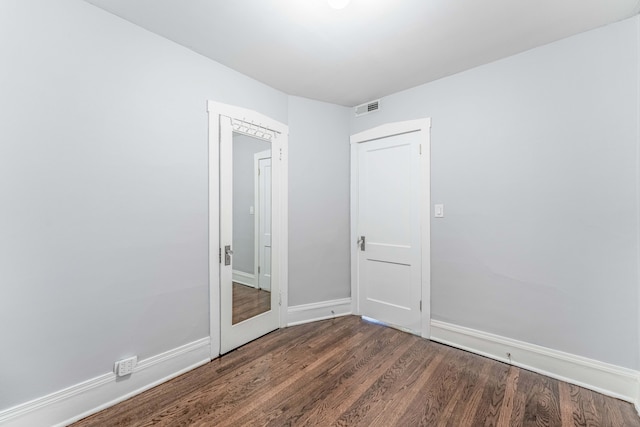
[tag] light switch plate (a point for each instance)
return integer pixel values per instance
(439, 211)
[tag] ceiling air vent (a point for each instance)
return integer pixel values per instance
(367, 108)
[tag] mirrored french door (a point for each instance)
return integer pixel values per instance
(251, 237)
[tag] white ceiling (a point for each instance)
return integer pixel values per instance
(370, 49)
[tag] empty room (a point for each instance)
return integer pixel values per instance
(319, 212)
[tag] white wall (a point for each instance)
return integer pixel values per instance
(103, 187)
(319, 260)
(536, 160)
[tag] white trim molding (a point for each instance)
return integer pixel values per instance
(243, 278)
(71, 404)
(605, 378)
(306, 313)
(241, 113)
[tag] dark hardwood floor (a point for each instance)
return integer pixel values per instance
(347, 372)
(248, 302)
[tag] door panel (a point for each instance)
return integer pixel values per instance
(389, 268)
(380, 274)
(237, 150)
(387, 197)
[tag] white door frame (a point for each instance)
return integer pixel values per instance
(257, 209)
(280, 231)
(390, 129)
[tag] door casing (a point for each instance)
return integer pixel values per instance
(423, 126)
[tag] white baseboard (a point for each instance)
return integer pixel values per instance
(243, 278)
(305, 313)
(611, 380)
(81, 400)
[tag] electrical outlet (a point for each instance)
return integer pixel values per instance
(125, 366)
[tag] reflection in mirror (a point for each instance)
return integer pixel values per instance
(251, 260)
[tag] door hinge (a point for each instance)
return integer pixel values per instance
(219, 255)
(281, 154)
(258, 269)
(279, 298)
(258, 171)
(420, 149)
(420, 305)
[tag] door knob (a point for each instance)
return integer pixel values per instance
(227, 255)
(361, 242)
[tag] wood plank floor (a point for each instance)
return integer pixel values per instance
(347, 372)
(248, 302)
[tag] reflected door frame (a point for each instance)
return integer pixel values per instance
(220, 117)
(260, 221)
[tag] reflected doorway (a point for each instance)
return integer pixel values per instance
(251, 260)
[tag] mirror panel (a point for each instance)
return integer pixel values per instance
(251, 260)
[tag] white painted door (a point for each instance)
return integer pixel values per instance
(389, 259)
(233, 335)
(264, 223)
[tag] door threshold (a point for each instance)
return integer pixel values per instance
(389, 325)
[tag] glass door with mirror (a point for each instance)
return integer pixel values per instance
(251, 243)
(249, 292)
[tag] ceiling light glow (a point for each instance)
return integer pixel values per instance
(339, 4)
